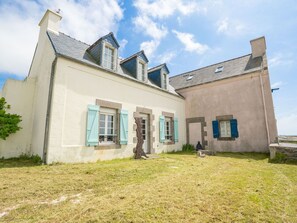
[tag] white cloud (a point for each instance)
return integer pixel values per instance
(123, 44)
(165, 8)
(277, 84)
(166, 57)
(149, 47)
(149, 27)
(280, 59)
(230, 27)
(19, 26)
(187, 39)
(287, 125)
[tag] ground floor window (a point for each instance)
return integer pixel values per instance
(168, 129)
(225, 128)
(107, 126)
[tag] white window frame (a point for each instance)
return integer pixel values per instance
(142, 71)
(164, 76)
(225, 129)
(108, 112)
(168, 131)
(108, 60)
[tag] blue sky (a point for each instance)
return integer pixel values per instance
(186, 34)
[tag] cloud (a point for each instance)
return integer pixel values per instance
(165, 8)
(149, 47)
(149, 27)
(277, 84)
(285, 125)
(187, 39)
(230, 27)
(123, 44)
(280, 59)
(19, 26)
(166, 57)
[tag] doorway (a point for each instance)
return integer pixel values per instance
(145, 132)
(195, 133)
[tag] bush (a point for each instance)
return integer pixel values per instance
(34, 158)
(188, 148)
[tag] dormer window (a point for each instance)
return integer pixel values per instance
(142, 71)
(108, 58)
(164, 81)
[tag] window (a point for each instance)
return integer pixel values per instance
(108, 57)
(164, 81)
(189, 78)
(225, 129)
(107, 126)
(219, 69)
(142, 71)
(168, 129)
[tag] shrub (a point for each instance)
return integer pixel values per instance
(188, 148)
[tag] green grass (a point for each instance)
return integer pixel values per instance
(173, 188)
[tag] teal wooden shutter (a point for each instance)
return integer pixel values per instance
(215, 129)
(234, 129)
(162, 128)
(92, 134)
(124, 127)
(175, 130)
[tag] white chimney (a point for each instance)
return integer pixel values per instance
(50, 22)
(258, 47)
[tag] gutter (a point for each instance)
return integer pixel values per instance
(48, 112)
(264, 102)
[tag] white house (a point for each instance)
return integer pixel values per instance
(79, 102)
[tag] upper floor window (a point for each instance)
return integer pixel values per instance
(164, 81)
(108, 58)
(142, 71)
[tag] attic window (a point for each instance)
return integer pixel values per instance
(219, 69)
(189, 78)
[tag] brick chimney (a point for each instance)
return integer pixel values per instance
(258, 47)
(50, 22)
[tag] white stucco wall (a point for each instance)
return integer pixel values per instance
(76, 86)
(19, 95)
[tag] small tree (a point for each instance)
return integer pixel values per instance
(9, 123)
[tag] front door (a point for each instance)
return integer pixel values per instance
(195, 133)
(145, 133)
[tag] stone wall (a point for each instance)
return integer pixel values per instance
(288, 150)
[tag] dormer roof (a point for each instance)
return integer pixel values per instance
(109, 38)
(159, 67)
(140, 54)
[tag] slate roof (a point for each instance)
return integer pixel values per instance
(232, 68)
(76, 50)
(159, 67)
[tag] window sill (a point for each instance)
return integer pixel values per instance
(107, 146)
(226, 139)
(168, 143)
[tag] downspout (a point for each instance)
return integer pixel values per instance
(264, 102)
(48, 112)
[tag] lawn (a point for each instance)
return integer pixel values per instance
(172, 188)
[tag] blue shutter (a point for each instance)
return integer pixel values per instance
(234, 130)
(162, 128)
(124, 127)
(215, 129)
(175, 130)
(92, 134)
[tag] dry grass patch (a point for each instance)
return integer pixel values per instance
(174, 188)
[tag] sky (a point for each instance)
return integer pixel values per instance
(186, 34)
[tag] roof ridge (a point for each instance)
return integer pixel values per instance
(74, 38)
(209, 65)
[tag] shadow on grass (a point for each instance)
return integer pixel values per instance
(240, 155)
(19, 162)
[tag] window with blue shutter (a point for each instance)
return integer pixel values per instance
(215, 129)
(92, 133)
(175, 130)
(234, 129)
(124, 127)
(162, 128)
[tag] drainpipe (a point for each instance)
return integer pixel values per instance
(264, 102)
(48, 112)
